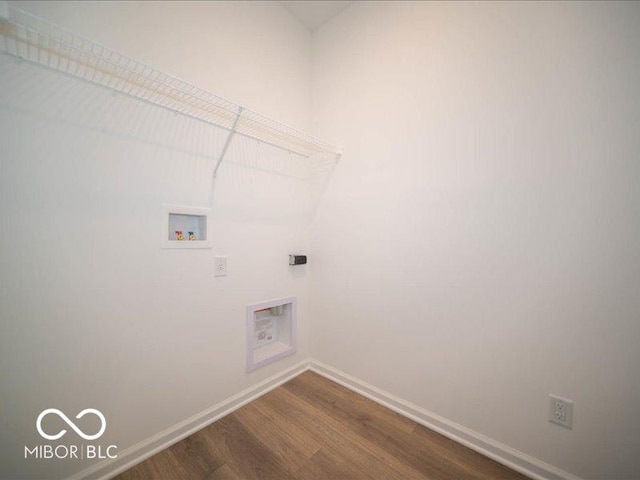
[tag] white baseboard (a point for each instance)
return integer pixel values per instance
(503, 454)
(141, 451)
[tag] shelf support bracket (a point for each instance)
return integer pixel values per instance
(232, 132)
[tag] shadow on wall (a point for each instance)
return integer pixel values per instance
(259, 182)
(256, 181)
(91, 299)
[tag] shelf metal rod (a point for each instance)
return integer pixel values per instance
(36, 40)
(232, 132)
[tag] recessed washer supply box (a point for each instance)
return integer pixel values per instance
(186, 227)
(271, 331)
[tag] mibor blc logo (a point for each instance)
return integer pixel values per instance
(71, 424)
(70, 451)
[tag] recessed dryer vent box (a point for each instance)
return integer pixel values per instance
(186, 227)
(271, 331)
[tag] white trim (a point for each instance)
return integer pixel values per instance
(512, 458)
(499, 452)
(141, 451)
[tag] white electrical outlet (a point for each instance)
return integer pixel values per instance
(560, 411)
(220, 267)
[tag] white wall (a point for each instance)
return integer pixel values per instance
(477, 248)
(93, 312)
(252, 53)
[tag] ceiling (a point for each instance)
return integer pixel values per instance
(314, 14)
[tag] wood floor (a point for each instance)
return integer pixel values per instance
(312, 428)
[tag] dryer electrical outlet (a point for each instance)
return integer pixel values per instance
(561, 411)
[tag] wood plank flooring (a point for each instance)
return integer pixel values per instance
(312, 428)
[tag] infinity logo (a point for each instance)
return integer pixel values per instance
(71, 424)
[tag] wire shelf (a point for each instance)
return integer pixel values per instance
(31, 38)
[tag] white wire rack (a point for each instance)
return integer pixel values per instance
(36, 40)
